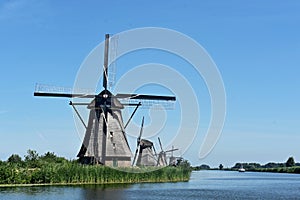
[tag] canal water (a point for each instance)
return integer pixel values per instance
(202, 185)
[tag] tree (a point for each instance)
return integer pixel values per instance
(14, 158)
(179, 161)
(290, 162)
(221, 166)
(184, 163)
(51, 157)
(271, 165)
(32, 155)
(204, 166)
(32, 159)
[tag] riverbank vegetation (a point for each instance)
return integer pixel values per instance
(290, 166)
(51, 169)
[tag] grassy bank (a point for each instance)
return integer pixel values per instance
(52, 170)
(73, 173)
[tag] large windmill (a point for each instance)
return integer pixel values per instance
(145, 154)
(105, 140)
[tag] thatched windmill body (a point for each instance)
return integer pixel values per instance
(105, 140)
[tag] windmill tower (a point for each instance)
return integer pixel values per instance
(162, 155)
(105, 140)
(144, 154)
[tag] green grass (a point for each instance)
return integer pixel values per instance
(74, 173)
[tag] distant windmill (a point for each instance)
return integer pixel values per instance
(162, 155)
(105, 140)
(145, 151)
(173, 161)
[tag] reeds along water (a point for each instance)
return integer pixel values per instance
(74, 173)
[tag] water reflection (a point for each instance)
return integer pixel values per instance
(111, 191)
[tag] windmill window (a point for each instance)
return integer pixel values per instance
(115, 162)
(114, 146)
(111, 134)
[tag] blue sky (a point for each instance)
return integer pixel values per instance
(255, 44)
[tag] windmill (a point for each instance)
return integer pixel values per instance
(105, 140)
(162, 155)
(173, 161)
(144, 155)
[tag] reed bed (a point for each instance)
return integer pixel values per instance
(75, 173)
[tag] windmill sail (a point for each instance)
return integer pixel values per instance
(138, 147)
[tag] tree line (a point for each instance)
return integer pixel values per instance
(290, 166)
(289, 163)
